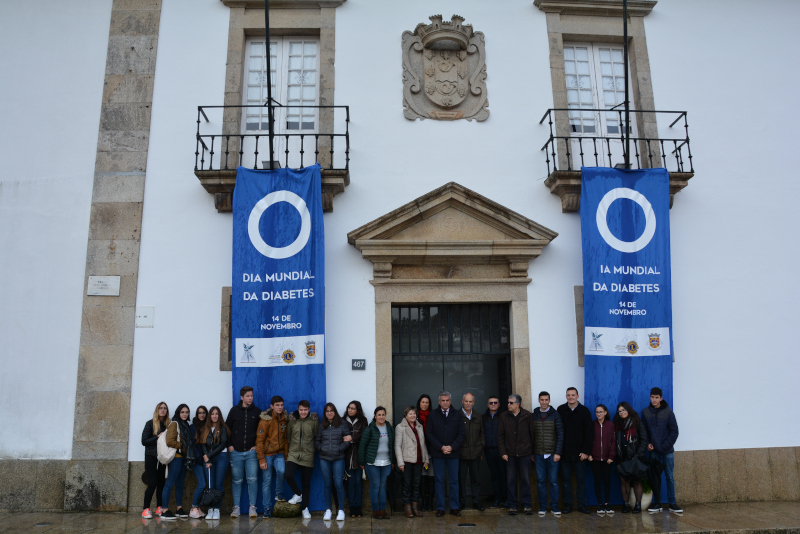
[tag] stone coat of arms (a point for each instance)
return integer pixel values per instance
(444, 71)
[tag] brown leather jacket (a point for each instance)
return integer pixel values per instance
(271, 435)
(172, 440)
(515, 434)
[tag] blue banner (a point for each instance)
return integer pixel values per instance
(627, 290)
(278, 295)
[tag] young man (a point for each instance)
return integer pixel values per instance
(471, 454)
(497, 466)
(578, 438)
(515, 444)
(243, 422)
(446, 434)
(271, 449)
(548, 445)
(662, 431)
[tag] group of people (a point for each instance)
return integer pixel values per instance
(430, 447)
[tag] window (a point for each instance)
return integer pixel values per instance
(595, 77)
(295, 67)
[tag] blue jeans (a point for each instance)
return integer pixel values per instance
(566, 481)
(201, 474)
(669, 466)
(440, 465)
(244, 463)
(333, 473)
(176, 472)
(219, 468)
(547, 474)
(377, 485)
(276, 461)
(519, 469)
(355, 487)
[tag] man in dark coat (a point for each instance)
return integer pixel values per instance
(578, 438)
(497, 466)
(515, 442)
(662, 429)
(469, 463)
(446, 433)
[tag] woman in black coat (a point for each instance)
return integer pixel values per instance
(631, 443)
(356, 422)
(154, 471)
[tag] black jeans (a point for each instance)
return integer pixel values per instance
(155, 480)
(471, 469)
(519, 468)
(497, 467)
(602, 470)
(411, 477)
(305, 474)
(566, 481)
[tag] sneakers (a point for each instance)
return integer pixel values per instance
(146, 514)
(235, 512)
(279, 498)
(542, 512)
(296, 499)
(601, 511)
(675, 508)
(213, 513)
(168, 516)
(327, 516)
(556, 512)
(654, 507)
(253, 513)
(528, 511)
(196, 513)
(340, 515)
(609, 511)
(512, 511)
(306, 514)
(160, 511)
(181, 513)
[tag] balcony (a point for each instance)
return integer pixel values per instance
(568, 149)
(221, 146)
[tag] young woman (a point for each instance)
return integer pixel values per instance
(178, 437)
(427, 484)
(356, 423)
(604, 450)
(154, 470)
(199, 468)
(376, 452)
(213, 439)
(631, 438)
(333, 439)
(302, 436)
(412, 456)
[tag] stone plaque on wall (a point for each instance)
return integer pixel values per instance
(444, 71)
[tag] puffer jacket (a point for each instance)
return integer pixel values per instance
(150, 439)
(302, 437)
(604, 446)
(271, 435)
(548, 432)
(405, 444)
(515, 434)
(210, 448)
(330, 441)
(474, 437)
(662, 427)
(351, 454)
(368, 448)
(634, 445)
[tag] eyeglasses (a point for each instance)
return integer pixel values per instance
(493, 402)
(622, 410)
(511, 402)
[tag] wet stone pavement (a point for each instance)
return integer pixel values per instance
(745, 517)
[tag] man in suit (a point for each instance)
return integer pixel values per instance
(445, 433)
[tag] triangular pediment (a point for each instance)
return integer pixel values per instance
(451, 225)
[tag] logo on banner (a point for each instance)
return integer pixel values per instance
(279, 253)
(633, 347)
(596, 345)
(311, 348)
(248, 353)
(627, 345)
(602, 224)
(654, 341)
(287, 356)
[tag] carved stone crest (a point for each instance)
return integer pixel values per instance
(444, 71)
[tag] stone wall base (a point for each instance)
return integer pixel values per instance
(726, 475)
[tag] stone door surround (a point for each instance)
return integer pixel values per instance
(451, 245)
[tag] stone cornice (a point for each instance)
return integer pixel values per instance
(284, 4)
(597, 8)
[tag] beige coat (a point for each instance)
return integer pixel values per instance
(405, 447)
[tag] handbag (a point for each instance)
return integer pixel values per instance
(633, 470)
(210, 497)
(164, 452)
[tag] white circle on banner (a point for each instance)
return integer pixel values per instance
(255, 218)
(649, 214)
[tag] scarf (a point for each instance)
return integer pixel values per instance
(422, 415)
(188, 442)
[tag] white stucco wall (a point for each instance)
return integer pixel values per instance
(52, 64)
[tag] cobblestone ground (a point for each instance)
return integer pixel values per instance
(749, 517)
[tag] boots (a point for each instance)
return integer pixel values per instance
(376, 514)
(415, 510)
(407, 510)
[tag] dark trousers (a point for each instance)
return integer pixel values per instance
(497, 467)
(566, 481)
(411, 478)
(469, 475)
(602, 470)
(155, 480)
(440, 467)
(305, 474)
(519, 468)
